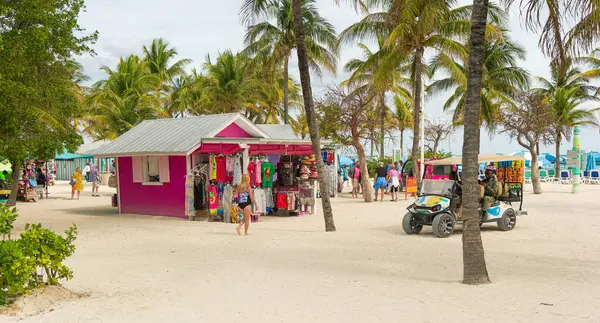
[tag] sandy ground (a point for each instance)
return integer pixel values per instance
(153, 269)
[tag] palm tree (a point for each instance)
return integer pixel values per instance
(502, 78)
(565, 91)
(404, 118)
(227, 86)
(474, 266)
(592, 61)
(123, 100)
(276, 34)
(159, 57)
(411, 27)
(257, 8)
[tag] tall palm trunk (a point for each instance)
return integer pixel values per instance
(382, 107)
(557, 151)
(401, 144)
(418, 107)
(311, 118)
(286, 77)
(14, 187)
(372, 146)
(474, 267)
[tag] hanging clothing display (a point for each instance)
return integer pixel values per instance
(227, 199)
(282, 201)
(260, 198)
(251, 169)
(221, 162)
(269, 198)
(213, 200)
(258, 172)
(286, 171)
(213, 168)
(190, 211)
(268, 171)
(237, 171)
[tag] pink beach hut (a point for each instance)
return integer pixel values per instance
(172, 147)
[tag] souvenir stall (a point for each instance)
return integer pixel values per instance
(190, 167)
(510, 171)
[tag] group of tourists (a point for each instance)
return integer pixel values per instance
(388, 178)
(91, 174)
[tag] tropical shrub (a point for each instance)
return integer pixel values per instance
(35, 259)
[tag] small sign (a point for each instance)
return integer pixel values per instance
(573, 154)
(573, 163)
(411, 187)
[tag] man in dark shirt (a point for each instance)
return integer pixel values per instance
(490, 189)
(380, 182)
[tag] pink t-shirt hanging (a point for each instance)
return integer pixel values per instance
(257, 172)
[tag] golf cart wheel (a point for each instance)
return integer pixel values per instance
(410, 225)
(443, 225)
(508, 220)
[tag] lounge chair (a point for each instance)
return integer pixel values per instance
(551, 176)
(543, 175)
(585, 177)
(594, 177)
(565, 177)
(528, 176)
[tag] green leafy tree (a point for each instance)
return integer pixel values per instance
(37, 42)
(274, 32)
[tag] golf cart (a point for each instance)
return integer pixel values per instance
(434, 205)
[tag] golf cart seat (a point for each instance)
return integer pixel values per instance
(511, 192)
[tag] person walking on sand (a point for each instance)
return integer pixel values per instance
(245, 202)
(95, 179)
(86, 172)
(356, 177)
(394, 180)
(76, 183)
(380, 182)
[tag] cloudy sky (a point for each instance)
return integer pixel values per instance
(197, 28)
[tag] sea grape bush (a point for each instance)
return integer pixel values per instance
(7, 218)
(35, 259)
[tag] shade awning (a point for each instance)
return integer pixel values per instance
(457, 160)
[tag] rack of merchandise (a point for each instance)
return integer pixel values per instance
(510, 171)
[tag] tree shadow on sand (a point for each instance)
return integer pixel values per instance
(93, 211)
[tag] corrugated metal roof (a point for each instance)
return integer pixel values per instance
(166, 136)
(86, 148)
(279, 131)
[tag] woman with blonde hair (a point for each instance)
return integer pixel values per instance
(76, 183)
(245, 202)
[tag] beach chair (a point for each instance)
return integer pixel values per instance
(594, 177)
(585, 177)
(543, 175)
(565, 177)
(551, 176)
(528, 176)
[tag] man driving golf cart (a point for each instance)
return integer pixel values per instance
(490, 189)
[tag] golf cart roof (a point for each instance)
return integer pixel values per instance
(482, 159)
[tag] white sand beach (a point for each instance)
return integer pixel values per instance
(153, 269)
